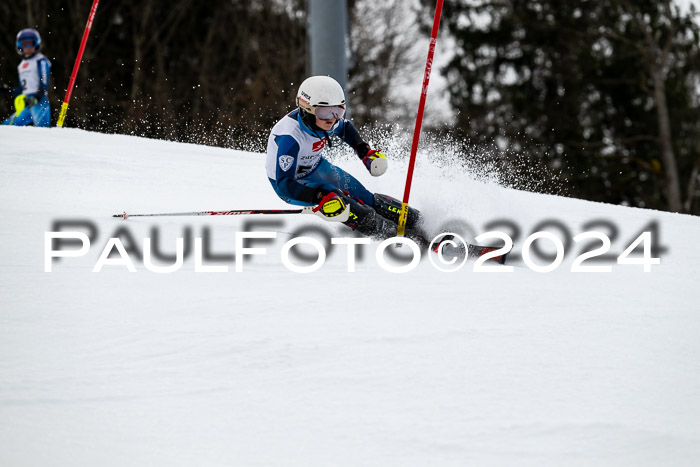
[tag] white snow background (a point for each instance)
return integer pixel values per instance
(268, 367)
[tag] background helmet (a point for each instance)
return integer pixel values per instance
(319, 91)
(28, 35)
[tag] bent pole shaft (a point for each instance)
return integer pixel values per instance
(79, 58)
(419, 119)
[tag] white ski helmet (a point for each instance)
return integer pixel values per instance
(319, 91)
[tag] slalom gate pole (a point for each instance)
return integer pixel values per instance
(419, 120)
(305, 210)
(79, 58)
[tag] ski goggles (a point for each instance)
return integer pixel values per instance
(23, 44)
(330, 113)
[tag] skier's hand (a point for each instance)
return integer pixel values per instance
(375, 162)
(30, 101)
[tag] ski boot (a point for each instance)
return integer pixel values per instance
(390, 208)
(381, 221)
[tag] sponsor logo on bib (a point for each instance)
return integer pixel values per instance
(318, 145)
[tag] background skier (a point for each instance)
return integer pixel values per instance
(31, 97)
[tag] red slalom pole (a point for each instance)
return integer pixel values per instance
(88, 26)
(419, 119)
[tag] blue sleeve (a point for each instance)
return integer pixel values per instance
(287, 185)
(44, 78)
(348, 133)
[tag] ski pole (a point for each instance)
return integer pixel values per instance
(303, 210)
(125, 216)
(419, 119)
(88, 26)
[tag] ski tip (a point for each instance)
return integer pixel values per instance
(499, 259)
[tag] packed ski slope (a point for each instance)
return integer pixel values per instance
(272, 367)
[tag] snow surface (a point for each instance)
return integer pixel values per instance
(372, 368)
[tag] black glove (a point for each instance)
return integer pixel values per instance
(30, 101)
(319, 195)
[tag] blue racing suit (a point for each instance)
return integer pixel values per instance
(295, 165)
(34, 77)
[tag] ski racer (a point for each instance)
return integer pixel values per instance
(31, 97)
(300, 175)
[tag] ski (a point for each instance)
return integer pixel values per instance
(385, 224)
(471, 251)
(476, 251)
